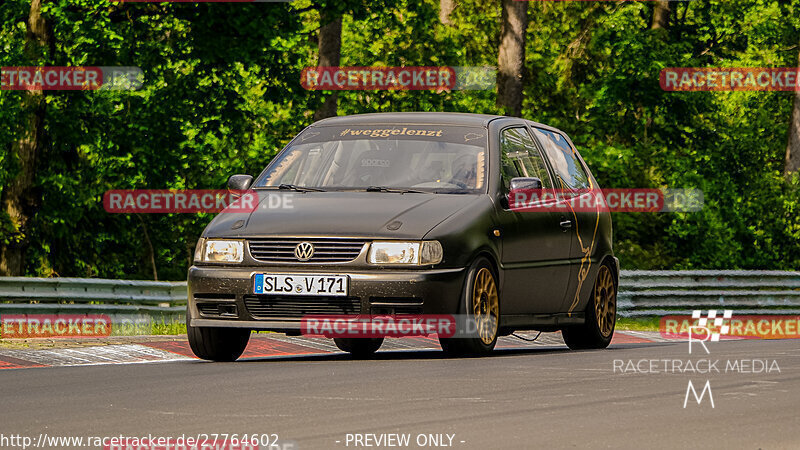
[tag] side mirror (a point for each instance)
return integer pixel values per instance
(525, 183)
(521, 188)
(240, 182)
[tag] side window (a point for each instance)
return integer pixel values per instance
(520, 158)
(565, 162)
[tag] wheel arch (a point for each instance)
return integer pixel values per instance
(614, 264)
(486, 254)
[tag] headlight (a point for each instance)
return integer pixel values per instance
(218, 251)
(198, 250)
(410, 253)
(431, 253)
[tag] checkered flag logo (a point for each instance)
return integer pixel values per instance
(718, 321)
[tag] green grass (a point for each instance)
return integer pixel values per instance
(167, 329)
(154, 327)
(647, 323)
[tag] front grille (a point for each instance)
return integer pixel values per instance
(395, 305)
(217, 309)
(208, 309)
(268, 307)
(325, 250)
(215, 296)
(395, 310)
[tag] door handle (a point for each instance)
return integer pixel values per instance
(566, 224)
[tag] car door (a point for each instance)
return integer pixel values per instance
(573, 179)
(535, 250)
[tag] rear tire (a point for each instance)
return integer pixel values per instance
(601, 315)
(359, 347)
(217, 344)
(481, 299)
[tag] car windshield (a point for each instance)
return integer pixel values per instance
(396, 157)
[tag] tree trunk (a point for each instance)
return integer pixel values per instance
(793, 148)
(19, 198)
(151, 252)
(661, 15)
(511, 56)
(330, 54)
(446, 8)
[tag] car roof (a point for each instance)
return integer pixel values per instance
(411, 118)
(423, 118)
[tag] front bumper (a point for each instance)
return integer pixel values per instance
(223, 296)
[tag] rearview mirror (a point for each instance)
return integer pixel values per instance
(240, 182)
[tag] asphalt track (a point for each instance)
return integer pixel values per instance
(524, 396)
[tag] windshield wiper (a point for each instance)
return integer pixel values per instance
(292, 187)
(454, 191)
(394, 191)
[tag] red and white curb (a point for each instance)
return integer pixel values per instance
(261, 346)
(85, 356)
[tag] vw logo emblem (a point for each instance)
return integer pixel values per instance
(304, 251)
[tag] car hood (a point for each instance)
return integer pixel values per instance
(345, 214)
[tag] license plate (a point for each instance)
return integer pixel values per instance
(322, 285)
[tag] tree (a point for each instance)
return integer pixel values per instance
(222, 95)
(793, 147)
(330, 55)
(446, 8)
(19, 198)
(511, 56)
(661, 15)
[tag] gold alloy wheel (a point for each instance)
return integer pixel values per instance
(485, 305)
(605, 301)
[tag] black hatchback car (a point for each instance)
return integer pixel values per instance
(409, 213)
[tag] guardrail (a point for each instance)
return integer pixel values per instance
(19, 295)
(641, 293)
(658, 293)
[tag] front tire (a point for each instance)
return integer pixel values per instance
(359, 347)
(601, 315)
(481, 298)
(217, 344)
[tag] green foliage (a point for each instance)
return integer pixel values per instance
(222, 96)
(645, 323)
